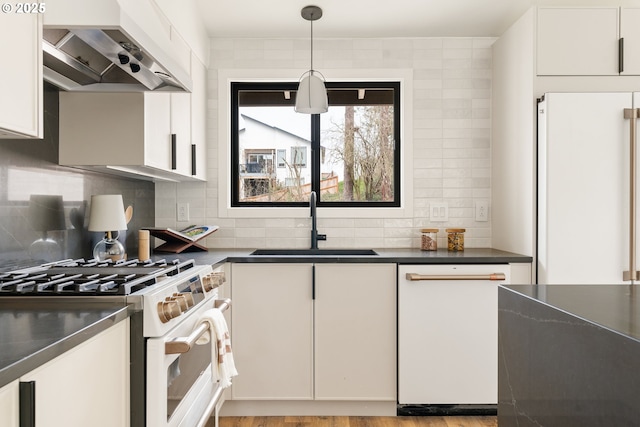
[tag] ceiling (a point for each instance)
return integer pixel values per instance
(372, 18)
(361, 18)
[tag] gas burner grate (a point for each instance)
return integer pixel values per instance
(89, 278)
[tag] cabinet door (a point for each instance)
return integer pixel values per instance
(157, 130)
(181, 128)
(21, 108)
(271, 322)
(630, 32)
(355, 332)
(577, 41)
(9, 405)
(88, 385)
(199, 115)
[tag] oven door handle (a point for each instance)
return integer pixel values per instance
(492, 276)
(210, 408)
(184, 344)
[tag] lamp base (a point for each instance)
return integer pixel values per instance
(109, 249)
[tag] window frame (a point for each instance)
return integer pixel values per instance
(316, 149)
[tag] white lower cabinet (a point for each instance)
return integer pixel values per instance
(9, 404)
(271, 321)
(86, 386)
(314, 332)
(355, 332)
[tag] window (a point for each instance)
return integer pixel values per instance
(299, 156)
(350, 156)
(282, 158)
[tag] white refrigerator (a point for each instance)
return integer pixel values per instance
(586, 228)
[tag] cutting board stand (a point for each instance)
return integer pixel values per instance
(175, 243)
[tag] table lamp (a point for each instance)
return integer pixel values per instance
(107, 215)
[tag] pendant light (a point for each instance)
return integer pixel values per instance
(311, 97)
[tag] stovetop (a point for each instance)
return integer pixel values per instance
(89, 277)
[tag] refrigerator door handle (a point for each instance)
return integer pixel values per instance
(632, 114)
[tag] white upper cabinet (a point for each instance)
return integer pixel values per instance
(126, 134)
(199, 117)
(588, 41)
(21, 108)
(630, 34)
(577, 41)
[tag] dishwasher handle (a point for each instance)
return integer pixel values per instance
(491, 276)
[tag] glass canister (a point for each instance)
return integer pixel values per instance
(429, 239)
(455, 239)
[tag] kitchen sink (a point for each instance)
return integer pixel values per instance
(315, 252)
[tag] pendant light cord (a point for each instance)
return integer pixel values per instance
(311, 44)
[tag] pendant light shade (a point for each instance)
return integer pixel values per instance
(312, 94)
(311, 97)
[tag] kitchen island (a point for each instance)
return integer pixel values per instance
(569, 355)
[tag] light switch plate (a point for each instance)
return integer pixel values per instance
(183, 211)
(482, 210)
(439, 211)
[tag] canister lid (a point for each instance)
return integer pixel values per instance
(429, 230)
(455, 230)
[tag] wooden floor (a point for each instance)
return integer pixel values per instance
(469, 421)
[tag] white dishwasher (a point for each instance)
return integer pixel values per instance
(448, 333)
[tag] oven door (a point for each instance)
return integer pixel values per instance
(180, 389)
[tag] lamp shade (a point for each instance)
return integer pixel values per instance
(107, 213)
(311, 97)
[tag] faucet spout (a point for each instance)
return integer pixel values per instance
(314, 223)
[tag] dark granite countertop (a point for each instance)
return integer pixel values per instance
(35, 332)
(614, 307)
(399, 256)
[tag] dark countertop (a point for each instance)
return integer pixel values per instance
(35, 332)
(568, 355)
(614, 307)
(399, 256)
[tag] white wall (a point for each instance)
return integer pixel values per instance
(447, 134)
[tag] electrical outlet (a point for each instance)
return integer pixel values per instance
(183, 211)
(439, 212)
(482, 211)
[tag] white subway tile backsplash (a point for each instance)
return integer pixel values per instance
(450, 138)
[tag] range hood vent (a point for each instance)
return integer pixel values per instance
(103, 60)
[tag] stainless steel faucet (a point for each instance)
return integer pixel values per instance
(314, 227)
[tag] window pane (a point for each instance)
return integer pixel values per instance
(266, 135)
(282, 158)
(359, 162)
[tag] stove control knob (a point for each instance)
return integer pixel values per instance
(189, 297)
(168, 309)
(207, 283)
(181, 300)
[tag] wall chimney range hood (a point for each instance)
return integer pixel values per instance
(109, 51)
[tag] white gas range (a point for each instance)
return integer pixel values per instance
(171, 380)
